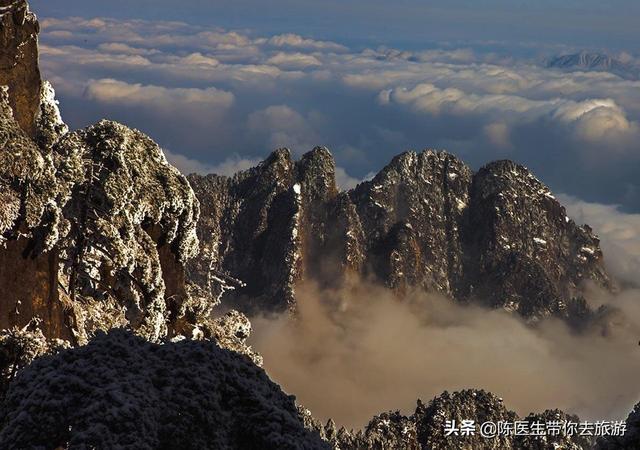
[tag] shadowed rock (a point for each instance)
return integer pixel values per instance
(122, 391)
(497, 237)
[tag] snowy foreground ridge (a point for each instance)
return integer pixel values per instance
(121, 391)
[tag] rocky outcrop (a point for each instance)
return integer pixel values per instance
(230, 332)
(95, 230)
(122, 391)
(522, 252)
(496, 237)
(410, 215)
(131, 220)
(254, 226)
(95, 226)
(30, 224)
(438, 425)
(19, 61)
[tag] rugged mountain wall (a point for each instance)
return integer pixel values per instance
(95, 226)
(29, 223)
(254, 226)
(426, 220)
(19, 61)
(95, 232)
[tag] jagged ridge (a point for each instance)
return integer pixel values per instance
(426, 221)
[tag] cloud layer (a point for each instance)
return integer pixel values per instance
(208, 93)
(357, 350)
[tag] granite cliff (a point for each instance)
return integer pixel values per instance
(496, 237)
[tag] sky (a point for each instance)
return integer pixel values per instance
(220, 84)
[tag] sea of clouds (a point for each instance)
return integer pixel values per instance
(220, 100)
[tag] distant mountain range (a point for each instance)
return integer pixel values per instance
(593, 61)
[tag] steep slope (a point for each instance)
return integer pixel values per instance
(19, 61)
(95, 226)
(426, 220)
(594, 61)
(522, 251)
(253, 227)
(96, 231)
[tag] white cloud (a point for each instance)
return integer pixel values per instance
(125, 49)
(230, 166)
(284, 127)
(198, 59)
(120, 92)
(619, 232)
(459, 99)
(598, 121)
(592, 121)
(344, 180)
(498, 135)
(234, 164)
(185, 164)
(293, 60)
(297, 41)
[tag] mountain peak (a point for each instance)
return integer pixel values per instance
(594, 61)
(19, 68)
(425, 221)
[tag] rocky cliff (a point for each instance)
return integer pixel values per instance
(497, 236)
(19, 61)
(96, 227)
(95, 231)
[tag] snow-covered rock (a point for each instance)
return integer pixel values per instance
(121, 391)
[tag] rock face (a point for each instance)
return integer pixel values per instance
(131, 220)
(522, 251)
(120, 391)
(95, 226)
(95, 230)
(426, 220)
(19, 61)
(30, 223)
(590, 61)
(253, 227)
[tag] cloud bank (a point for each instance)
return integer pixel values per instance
(356, 350)
(208, 93)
